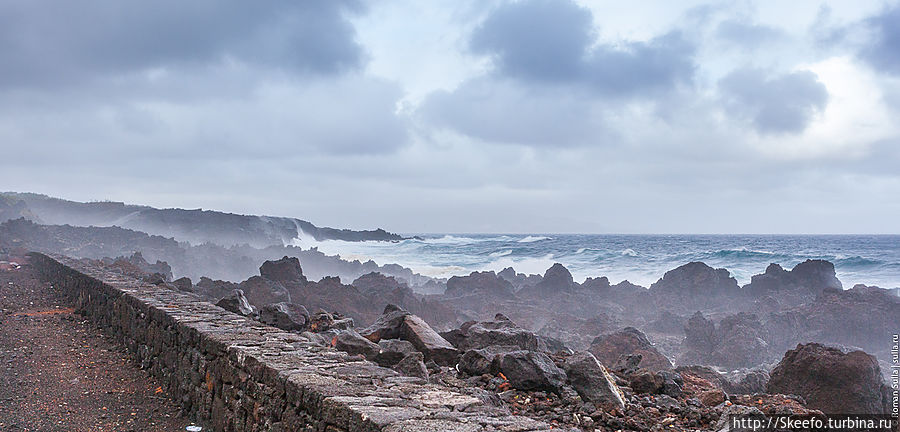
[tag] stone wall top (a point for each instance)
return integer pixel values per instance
(260, 377)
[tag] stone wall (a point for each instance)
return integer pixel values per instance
(234, 374)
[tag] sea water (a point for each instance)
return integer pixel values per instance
(640, 259)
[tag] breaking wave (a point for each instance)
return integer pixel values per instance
(532, 239)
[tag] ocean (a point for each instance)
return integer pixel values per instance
(641, 259)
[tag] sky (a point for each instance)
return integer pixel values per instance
(529, 116)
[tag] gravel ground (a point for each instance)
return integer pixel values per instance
(58, 372)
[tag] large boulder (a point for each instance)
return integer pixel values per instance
(530, 370)
(557, 280)
(351, 342)
(609, 347)
(261, 291)
(286, 270)
(428, 342)
(237, 303)
(396, 323)
(501, 331)
(831, 380)
(392, 351)
(593, 382)
(286, 316)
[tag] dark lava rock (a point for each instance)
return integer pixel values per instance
(672, 383)
(413, 365)
(237, 303)
(184, 284)
(747, 381)
(286, 316)
(396, 323)
(428, 342)
(261, 291)
(530, 370)
(286, 270)
(593, 382)
(832, 381)
(351, 342)
(809, 277)
(392, 351)
(499, 332)
(695, 286)
(645, 381)
(480, 283)
(609, 347)
(387, 326)
(477, 362)
(557, 280)
(739, 341)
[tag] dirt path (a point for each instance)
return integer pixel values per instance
(58, 372)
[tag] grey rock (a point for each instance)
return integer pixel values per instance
(530, 370)
(286, 316)
(237, 303)
(593, 382)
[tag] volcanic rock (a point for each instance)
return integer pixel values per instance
(696, 286)
(427, 341)
(593, 382)
(286, 316)
(530, 370)
(487, 284)
(392, 351)
(287, 270)
(609, 347)
(477, 362)
(351, 342)
(807, 278)
(184, 284)
(832, 381)
(738, 341)
(237, 303)
(413, 365)
(499, 332)
(387, 326)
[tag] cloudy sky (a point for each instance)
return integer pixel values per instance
(464, 116)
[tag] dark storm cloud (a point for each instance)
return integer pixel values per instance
(883, 50)
(53, 43)
(553, 41)
(773, 105)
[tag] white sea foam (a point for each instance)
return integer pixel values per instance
(527, 265)
(500, 253)
(531, 239)
(629, 252)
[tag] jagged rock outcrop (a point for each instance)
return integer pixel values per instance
(738, 341)
(831, 380)
(609, 347)
(381, 289)
(695, 286)
(803, 282)
(486, 284)
(557, 280)
(862, 317)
